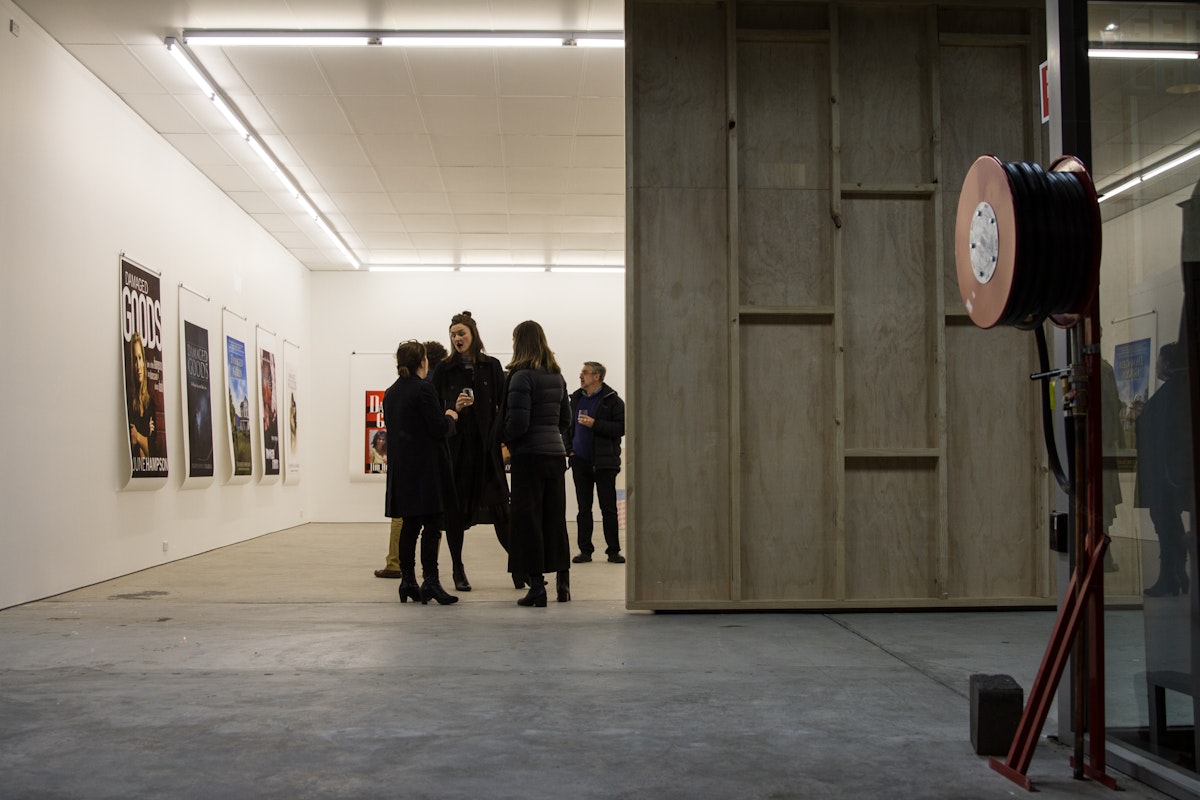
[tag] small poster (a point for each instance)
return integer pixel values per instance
(239, 405)
(1131, 367)
(376, 441)
(291, 405)
(270, 413)
(142, 346)
(199, 400)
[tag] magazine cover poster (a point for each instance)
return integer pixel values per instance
(199, 400)
(239, 405)
(270, 415)
(291, 406)
(376, 441)
(142, 346)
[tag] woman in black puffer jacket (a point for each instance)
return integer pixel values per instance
(536, 415)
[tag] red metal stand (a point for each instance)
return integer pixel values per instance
(1082, 610)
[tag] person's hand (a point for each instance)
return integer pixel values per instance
(463, 400)
(585, 420)
(451, 413)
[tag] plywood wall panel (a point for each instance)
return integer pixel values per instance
(997, 526)
(680, 495)
(979, 86)
(891, 524)
(889, 355)
(884, 96)
(789, 494)
(677, 95)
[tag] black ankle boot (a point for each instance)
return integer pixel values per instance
(408, 585)
(537, 593)
(432, 589)
(563, 585)
(460, 579)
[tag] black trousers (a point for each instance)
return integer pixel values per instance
(538, 541)
(604, 483)
(429, 544)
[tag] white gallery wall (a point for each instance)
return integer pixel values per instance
(83, 179)
(369, 314)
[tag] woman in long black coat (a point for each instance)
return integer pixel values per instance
(420, 482)
(475, 455)
(537, 414)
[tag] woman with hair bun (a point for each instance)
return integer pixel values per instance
(420, 483)
(472, 381)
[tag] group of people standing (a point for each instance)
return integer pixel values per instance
(453, 423)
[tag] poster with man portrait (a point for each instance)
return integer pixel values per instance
(268, 407)
(197, 382)
(144, 425)
(291, 408)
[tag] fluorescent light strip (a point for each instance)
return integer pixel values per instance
(1119, 52)
(262, 38)
(1149, 174)
(251, 138)
(494, 269)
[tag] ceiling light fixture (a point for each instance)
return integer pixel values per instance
(1121, 52)
(1173, 163)
(279, 38)
(252, 139)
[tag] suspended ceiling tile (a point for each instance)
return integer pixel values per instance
(231, 178)
(347, 179)
(611, 205)
(383, 114)
(543, 116)
(538, 151)
(435, 242)
(601, 116)
(400, 150)
(410, 180)
(479, 203)
(540, 72)
(453, 115)
(297, 114)
(532, 223)
(429, 223)
(363, 203)
(278, 70)
(599, 151)
(329, 150)
(453, 71)
(467, 150)
(474, 179)
(482, 223)
(419, 203)
(596, 181)
(276, 223)
(589, 224)
(605, 73)
(116, 67)
(388, 223)
(537, 180)
(365, 70)
(201, 149)
(485, 253)
(385, 240)
(255, 202)
(523, 203)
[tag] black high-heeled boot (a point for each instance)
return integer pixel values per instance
(563, 586)
(408, 585)
(460, 578)
(537, 592)
(432, 589)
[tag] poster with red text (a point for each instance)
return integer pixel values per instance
(376, 440)
(142, 352)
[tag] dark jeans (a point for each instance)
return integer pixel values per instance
(429, 544)
(604, 482)
(537, 541)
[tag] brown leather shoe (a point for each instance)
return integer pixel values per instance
(388, 573)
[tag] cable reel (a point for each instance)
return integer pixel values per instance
(1027, 242)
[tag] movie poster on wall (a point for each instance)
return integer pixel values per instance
(1131, 368)
(268, 406)
(375, 454)
(144, 423)
(196, 379)
(291, 406)
(237, 399)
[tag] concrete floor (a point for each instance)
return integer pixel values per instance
(282, 668)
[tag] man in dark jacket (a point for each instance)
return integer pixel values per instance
(594, 445)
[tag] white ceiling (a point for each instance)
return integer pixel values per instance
(416, 157)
